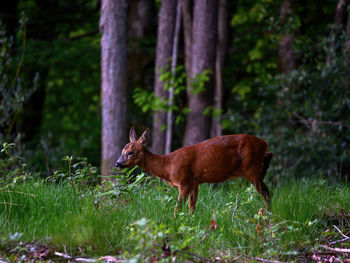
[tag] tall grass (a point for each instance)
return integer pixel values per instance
(140, 221)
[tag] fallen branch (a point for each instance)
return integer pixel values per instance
(267, 260)
(111, 259)
(79, 259)
(339, 250)
(340, 232)
(339, 241)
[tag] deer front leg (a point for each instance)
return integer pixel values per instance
(193, 199)
(184, 192)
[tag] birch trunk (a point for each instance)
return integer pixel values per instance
(166, 26)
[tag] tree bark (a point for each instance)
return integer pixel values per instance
(339, 13)
(221, 52)
(113, 89)
(347, 43)
(141, 20)
(286, 54)
(166, 26)
(169, 125)
(187, 27)
(202, 58)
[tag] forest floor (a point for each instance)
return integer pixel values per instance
(135, 222)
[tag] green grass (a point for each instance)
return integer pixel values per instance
(57, 214)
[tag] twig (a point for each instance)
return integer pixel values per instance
(267, 260)
(111, 259)
(66, 256)
(63, 255)
(85, 259)
(340, 232)
(340, 250)
(194, 255)
(236, 206)
(18, 192)
(339, 241)
(315, 122)
(6, 203)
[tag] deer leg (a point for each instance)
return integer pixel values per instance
(193, 199)
(255, 177)
(184, 192)
(263, 190)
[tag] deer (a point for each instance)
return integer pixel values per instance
(211, 161)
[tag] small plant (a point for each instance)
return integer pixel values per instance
(13, 167)
(148, 238)
(79, 173)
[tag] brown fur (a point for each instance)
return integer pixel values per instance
(211, 161)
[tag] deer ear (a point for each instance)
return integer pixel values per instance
(132, 135)
(145, 137)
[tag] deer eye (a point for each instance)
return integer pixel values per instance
(130, 153)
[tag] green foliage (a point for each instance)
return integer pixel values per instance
(14, 169)
(198, 82)
(150, 103)
(301, 114)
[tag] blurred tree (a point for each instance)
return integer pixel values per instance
(222, 46)
(174, 57)
(200, 93)
(286, 54)
(114, 91)
(166, 27)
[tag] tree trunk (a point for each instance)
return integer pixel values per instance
(339, 13)
(169, 125)
(187, 27)
(113, 89)
(166, 26)
(202, 58)
(141, 21)
(286, 55)
(347, 43)
(221, 52)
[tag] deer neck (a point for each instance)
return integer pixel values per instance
(158, 165)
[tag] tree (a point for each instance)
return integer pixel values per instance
(166, 27)
(169, 117)
(221, 52)
(114, 91)
(202, 60)
(286, 52)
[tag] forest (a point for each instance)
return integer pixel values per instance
(77, 75)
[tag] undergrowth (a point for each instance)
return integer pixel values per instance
(133, 218)
(141, 224)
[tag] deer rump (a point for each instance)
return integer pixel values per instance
(218, 159)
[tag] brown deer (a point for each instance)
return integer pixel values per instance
(211, 161)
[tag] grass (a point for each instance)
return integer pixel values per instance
(137, 223)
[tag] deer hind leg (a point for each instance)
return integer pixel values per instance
(264, 191)
(255, 177)
(193, 199)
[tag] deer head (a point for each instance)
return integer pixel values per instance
(133, 152)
